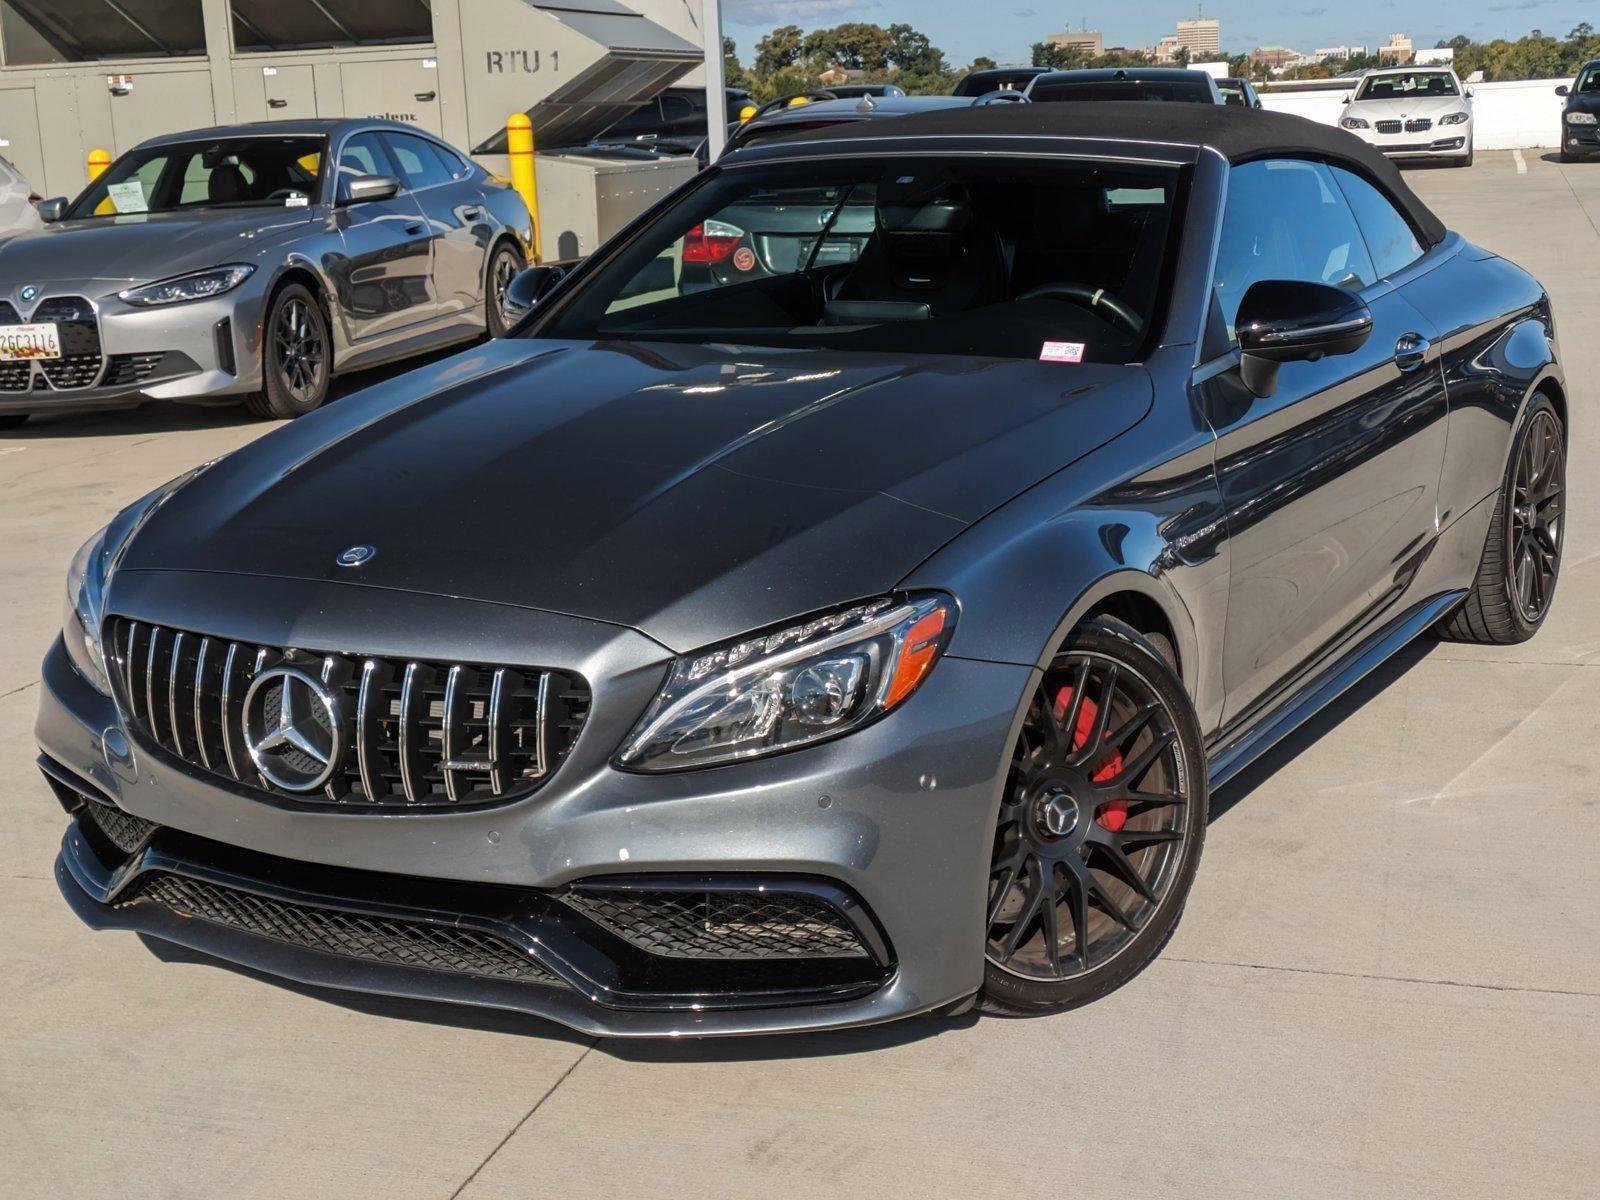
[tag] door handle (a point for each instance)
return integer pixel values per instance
(424, 97)
(276, 103)
(415, 227)
(472, 214)
(1411, 351)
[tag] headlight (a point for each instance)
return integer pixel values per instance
(201, 285)
(1455, 118)
(1580, 118)
(87, 577)
(1353, 123)
(791, 688)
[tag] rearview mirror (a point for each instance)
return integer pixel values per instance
(364, 188)
(1562, 90)
(533, 285)
(53, 209)
(1288, 320)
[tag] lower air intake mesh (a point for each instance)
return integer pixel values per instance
(720, 924)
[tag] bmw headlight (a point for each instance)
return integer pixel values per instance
(199, 285)
(87, 578)
(793, 687)
(1353, 123)
(1455, 118)
(1580, 118)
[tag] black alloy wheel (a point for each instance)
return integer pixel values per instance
(505, 266)
(1521, 564)
(297, 356)
(1538, 496)
(1100, 826)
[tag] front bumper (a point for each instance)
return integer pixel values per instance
(195, 353)
(895, 818)
(1580, 139)
(1456, 145)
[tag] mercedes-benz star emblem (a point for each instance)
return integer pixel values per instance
(292, 729)
(356, 556)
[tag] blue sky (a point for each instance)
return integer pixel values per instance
(1005, 29)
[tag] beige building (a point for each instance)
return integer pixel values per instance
(1167, 49)
(1398, 51)
(1087, 42)
(1202, 37)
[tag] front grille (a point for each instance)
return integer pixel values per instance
(1388, 126)
(74, 318)
(80, 361)
(720, 924)
(410, 734)
(1419, 124)
(396, 941)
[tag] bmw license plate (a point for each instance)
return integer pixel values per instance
(22, 342)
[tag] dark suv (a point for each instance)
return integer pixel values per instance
(674, 122)
(1127, 83)
(1580, 115)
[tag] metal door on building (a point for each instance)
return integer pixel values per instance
(19, 130)
(270, 93)
(160, 102)
(401, 89)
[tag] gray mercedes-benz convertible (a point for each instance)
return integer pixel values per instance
(844, 638)
(253, 263)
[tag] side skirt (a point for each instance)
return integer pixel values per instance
(1238, 748)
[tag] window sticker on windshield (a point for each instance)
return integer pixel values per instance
(127, 197)
(1062, 352)
(296, 200)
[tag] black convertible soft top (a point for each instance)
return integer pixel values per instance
(1238, 134)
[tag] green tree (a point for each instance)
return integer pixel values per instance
(983, 63)
(734, 74)
(779, 50)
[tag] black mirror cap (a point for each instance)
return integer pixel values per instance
(533, 285)
(53, 209)
(1291, 320)
(1562, 90)
(370, 187)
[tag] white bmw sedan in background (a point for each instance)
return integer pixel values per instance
(1412, 112)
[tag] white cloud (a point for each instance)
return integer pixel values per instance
(791, 12)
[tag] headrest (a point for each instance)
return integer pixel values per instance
(227, 185)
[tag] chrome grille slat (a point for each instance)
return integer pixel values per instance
(413, 733)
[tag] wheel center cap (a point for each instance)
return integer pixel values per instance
(1058, 813)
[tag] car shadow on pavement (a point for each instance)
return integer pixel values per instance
(1258, 773)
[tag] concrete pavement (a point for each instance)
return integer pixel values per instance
(1387, 982)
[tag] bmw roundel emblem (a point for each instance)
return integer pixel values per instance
(356, 556)
(28, 292)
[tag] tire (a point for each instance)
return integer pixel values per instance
(1104, 813)
(506, 257)
(1567, 156)
(1467, 160)
(296, 356)
(1521, 565)
(12, 420)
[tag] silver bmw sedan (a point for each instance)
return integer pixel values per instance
(253, 263)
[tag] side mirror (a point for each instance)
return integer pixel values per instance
(533, 285)
(1346, 99)
(1563, 90)
(1284, 320)
(1468, 92)
(363, 188)
(53, 209)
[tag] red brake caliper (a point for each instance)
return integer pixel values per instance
(1113, 814)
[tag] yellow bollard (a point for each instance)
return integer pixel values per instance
(524, 181)
(745, 113)
(99, 160)
(800, 102)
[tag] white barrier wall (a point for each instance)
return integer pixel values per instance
(1505, 116)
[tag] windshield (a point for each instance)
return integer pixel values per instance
(1121, 89)
(237, 172)
(991, 257)
(1404, 85)
(1589, 79)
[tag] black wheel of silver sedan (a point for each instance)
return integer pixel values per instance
(1521, 562)
(504, 266)
(296, 356)
(1100, 826)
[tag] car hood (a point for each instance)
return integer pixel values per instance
(145, 246)
(1583, 102)
(1407, 106)
(691, 492)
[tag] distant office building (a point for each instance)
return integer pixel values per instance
(1339, 52)
(1086, 42)
(1167, 49)
(1202, 37)
(1275, 57)
(1398, 50)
